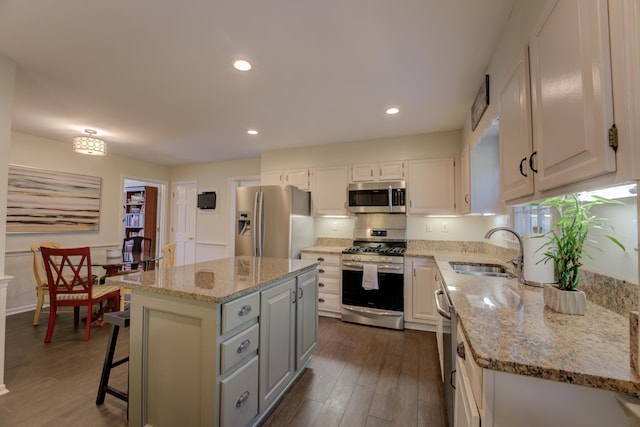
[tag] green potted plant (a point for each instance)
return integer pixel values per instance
(568, 241)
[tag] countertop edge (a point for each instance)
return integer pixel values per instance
(195, 296)
(487, 361)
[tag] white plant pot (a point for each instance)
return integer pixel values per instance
(567, 302)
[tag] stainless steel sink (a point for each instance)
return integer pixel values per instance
(480, 269)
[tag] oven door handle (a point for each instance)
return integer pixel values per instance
(358, 266)
(365, 311)
(439, 307)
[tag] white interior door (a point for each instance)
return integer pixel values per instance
(183, 222)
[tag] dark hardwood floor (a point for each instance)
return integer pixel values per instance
(358, 376)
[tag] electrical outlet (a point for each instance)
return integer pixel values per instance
(334, 226)
(429, 227)
(444, 228)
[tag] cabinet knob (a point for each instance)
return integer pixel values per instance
(321, 300)
(320, 259)
(460, 350)
(320, 285)
(244, 397)
(244, 310)
(320, 270)
(244, 346)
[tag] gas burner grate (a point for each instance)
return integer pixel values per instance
(388, 250)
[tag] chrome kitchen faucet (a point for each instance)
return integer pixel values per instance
(518, 262)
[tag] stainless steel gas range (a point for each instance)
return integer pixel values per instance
(373, 272)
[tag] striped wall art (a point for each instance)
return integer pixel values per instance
(43, 201)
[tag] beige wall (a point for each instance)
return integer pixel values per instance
(7, 78)
(439, 144)
(213, 236)
(43, 153)
(524, 17)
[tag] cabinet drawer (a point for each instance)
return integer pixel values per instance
(328, 271)
(324, 259)
(329, 285)
(239, 347)
(239, 395)
(237, 312)
(329, 302)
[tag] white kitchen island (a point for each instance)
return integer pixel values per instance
(218, 343)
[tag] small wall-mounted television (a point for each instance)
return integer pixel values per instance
(207, 200)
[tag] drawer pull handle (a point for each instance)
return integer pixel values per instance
(320, 270)
(460, 350)
(244, 346)
(320, 284)
(320, 299)
(320, 259)
(244, 397)
(244, 310)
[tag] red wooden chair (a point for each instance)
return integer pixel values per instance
(71, 284)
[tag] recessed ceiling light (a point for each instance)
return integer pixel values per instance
(252, 132)
(242, 65)
(393, 110)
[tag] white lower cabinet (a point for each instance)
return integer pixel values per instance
(466, 412)
(420, 286)
(329, 282)
(494, 399)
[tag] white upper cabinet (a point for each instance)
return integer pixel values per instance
(271, 178)
(296, 177)
(393, 170)
(556, 107)
(571, 93)
(329, 190)
(431, 186)
(465, 179)
(516, 145)
(363, 172)
(382, 171)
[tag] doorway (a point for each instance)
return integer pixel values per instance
(183, 221)
(159, 224)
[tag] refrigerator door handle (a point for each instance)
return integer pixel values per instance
(260, 231)
(256, 227)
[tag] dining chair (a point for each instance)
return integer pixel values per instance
(71, 285)
(42, 285)
(168, 255)
(137, 245)
(167, 261)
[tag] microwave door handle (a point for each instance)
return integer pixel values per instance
(390, 201)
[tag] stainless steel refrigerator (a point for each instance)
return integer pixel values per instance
(273, 221)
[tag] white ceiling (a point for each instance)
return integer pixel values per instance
(155, 77)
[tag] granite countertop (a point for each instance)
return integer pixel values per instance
(215, 281)
(509, 329)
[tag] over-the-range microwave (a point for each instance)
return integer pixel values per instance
(377, 197)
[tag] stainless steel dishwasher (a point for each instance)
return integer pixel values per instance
(445, 334)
